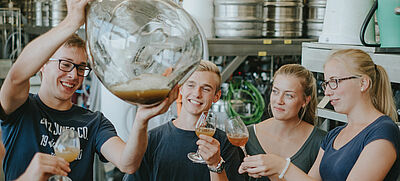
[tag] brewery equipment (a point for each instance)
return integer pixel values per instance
(140, 49)
(388, 22)
(283, 19)
(238, 18)
(343, 20)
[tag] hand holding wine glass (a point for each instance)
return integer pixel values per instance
(206, 125)
(44, 165)
(237, 132)
(67, 147)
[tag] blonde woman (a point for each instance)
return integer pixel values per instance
(290, 132)
(367, 147)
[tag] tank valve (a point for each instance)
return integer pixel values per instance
(397, 10)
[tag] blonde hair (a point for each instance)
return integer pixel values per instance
(208, 66)
(358, 62)
(309, 86)
(75, 41)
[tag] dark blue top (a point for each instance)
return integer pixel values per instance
(337, 164)
(166, 156)
(34, 127)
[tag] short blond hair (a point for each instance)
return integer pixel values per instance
(75, 41)
(208, 66)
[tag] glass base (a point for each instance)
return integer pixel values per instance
(195, 158)
(59, 178)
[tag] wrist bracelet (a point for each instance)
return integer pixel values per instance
(220, 167)
(285, 169)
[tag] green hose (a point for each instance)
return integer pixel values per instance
(255, 99)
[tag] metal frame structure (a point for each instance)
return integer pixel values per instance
(242, 48)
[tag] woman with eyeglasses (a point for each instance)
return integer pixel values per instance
(367, 147)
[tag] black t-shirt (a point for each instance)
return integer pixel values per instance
(166, 156)
(34, 127)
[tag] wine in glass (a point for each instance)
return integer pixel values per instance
(237, 132)
(206, 125)
(67, 147)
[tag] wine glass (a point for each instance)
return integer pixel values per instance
(68, 147)
(206, 125)
(237, 132)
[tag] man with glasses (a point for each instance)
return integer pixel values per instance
(31, 123)
(68, 66)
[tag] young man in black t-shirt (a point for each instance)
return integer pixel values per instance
(32, 123)
(166, 155)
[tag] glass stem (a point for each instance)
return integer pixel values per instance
(198, 154)
(244, 151)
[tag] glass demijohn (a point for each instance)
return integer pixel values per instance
(140, 49)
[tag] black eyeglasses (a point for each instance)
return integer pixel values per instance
(68, 66)
(334, 82)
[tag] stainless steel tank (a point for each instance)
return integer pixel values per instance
(238, 18)
(315, 17)
(25, 7)
(58, 11)
(37, 13)
(29, 11)
(45, 13)
(283, 19)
